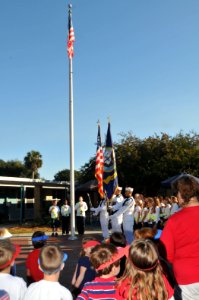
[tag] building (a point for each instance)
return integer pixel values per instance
(28, 199)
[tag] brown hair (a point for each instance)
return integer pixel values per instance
(118, 239)
(188, 186)
(51, 257)
(151, 201)
(145, 233)
(174, 199)
(100, 255)
(143, 272)
(7, 249)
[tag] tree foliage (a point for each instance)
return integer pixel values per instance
(64, 175)
(13, 168)
(33, 161)
(144, 163)
(28, 168)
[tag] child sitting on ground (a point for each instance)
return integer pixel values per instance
(84, 272)
(106, 260)
(33, 272)
(118, 239)
(143, 277)
(51, 262)
(13, 285)
(6, 235)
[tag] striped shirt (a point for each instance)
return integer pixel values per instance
(100, 288)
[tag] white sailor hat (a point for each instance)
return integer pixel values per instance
(119, 188)
(129, 189)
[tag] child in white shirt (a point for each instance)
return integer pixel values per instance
(51, 262)
(13, 285)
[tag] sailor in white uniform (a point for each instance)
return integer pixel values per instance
(127, 209)
(116, 221)
(104, 217)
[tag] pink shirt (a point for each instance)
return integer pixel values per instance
(181, 240)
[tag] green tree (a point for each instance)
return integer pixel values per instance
(144, 163)
(14, 168)
(33, 161)
(87, 171)
(64, 175)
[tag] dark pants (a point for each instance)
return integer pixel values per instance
(80, 224)
(54, 223)
(137, 225)
(65, 224)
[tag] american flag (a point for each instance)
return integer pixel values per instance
(71, 35)
(99, 167)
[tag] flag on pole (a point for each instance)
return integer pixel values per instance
(110, 172)
(71, 34)
(99, 164)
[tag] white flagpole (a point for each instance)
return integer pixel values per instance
(71, 127)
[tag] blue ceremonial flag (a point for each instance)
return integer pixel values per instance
(110, 172)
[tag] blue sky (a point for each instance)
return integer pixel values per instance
(135, 61)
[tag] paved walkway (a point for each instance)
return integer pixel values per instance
(72, 247)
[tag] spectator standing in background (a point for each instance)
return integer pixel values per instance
(54, 211)
(65, 216)
(174, 205)
(81, 208)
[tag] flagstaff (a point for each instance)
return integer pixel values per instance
(71, 39)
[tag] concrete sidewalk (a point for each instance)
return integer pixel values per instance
(71, 247)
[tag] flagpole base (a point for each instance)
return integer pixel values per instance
(72, 238)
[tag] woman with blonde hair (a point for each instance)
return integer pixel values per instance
(143, 278)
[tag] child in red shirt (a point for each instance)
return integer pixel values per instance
(33, 272)
(143, 277)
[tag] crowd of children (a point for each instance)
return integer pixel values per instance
(43, 267)
(113, 268)
(105, 270)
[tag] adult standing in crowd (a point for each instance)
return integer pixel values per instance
(181, 239)
(127, 209)
(65, 216)
(81, 208)
(116, 221)
(54, 211)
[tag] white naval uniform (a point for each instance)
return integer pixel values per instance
(116, 221)
(127, 209)
(104, 217)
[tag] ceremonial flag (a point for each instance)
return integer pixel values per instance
(71, 35)
(99, 164)
(110, 173)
